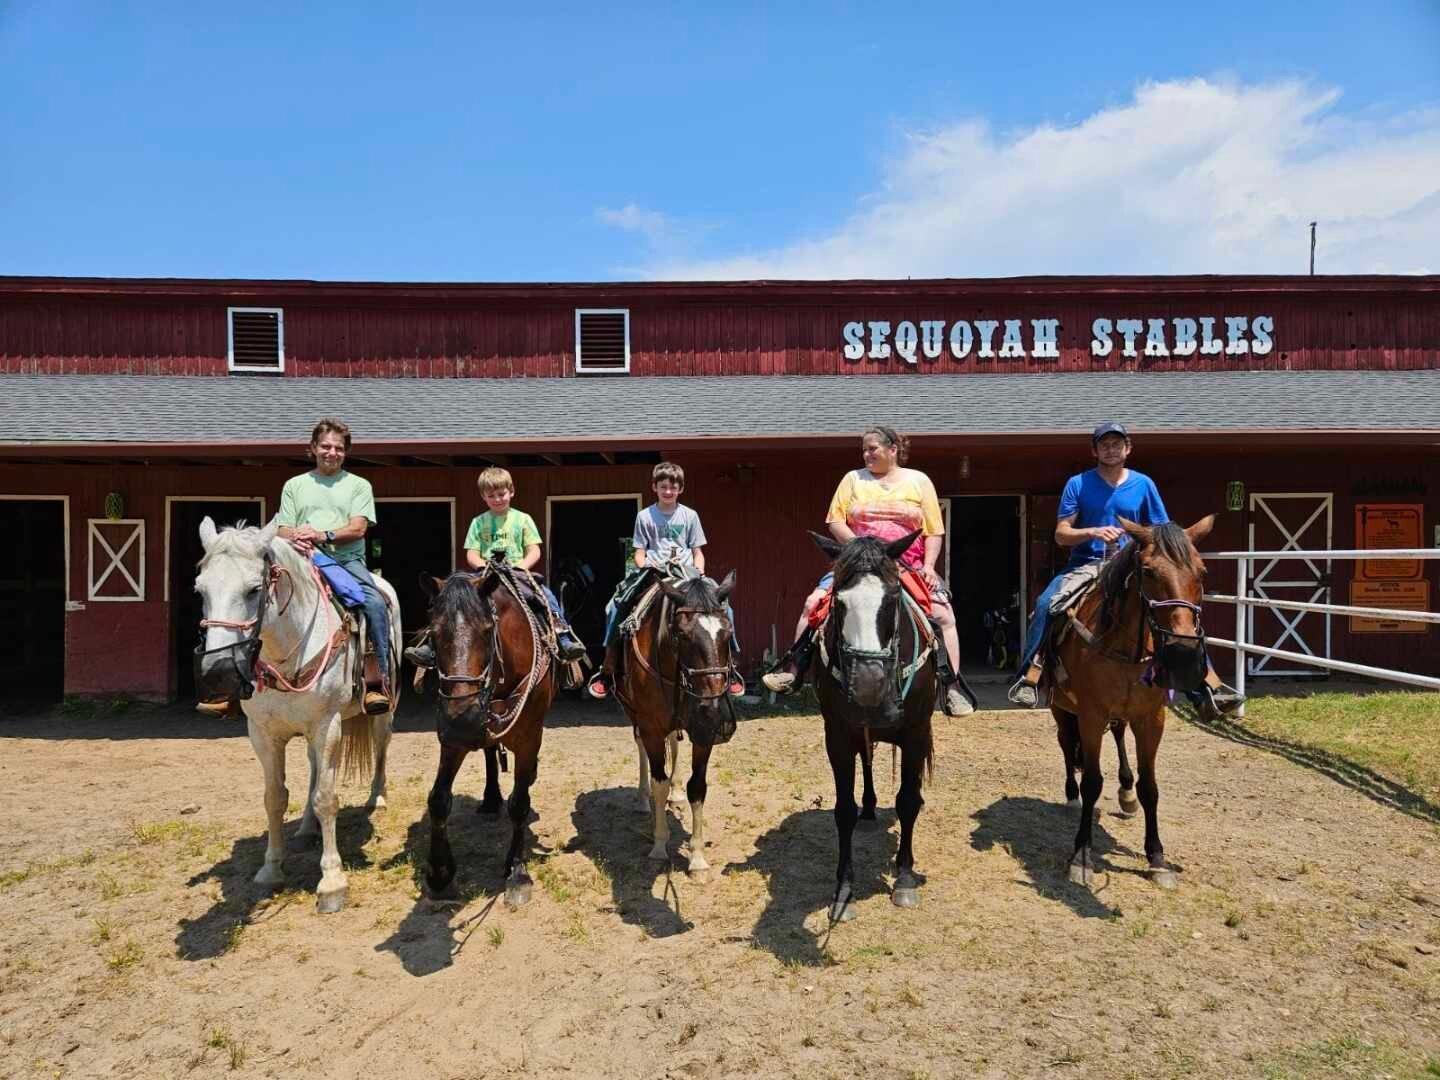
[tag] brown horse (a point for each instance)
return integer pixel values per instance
(870, 690)
(497, 680)
(1137, 637)
(675, 676)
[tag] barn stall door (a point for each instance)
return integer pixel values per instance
(1290, 521)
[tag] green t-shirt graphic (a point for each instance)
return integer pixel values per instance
(511, 534)
(328, 503)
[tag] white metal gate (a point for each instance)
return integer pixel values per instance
(1290, 521)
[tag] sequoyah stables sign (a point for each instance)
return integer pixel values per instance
(1004, 339)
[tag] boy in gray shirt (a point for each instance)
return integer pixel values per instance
(668, 536)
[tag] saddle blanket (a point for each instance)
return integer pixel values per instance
(1073, 585)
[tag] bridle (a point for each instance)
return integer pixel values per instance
(484, 682)
(847, 655)
(687, 694)
(1160, 636)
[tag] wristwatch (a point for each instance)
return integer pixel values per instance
(329, 536)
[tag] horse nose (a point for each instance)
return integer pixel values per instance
(1185, 664)
(868, 684)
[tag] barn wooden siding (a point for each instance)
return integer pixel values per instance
(750, 328)
(756, 508)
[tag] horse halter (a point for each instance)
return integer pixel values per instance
(250, 645)
(848, 655)
(484, 682)
(686, 675)
(1162, 637)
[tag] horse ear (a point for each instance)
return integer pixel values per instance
(1142, 533)
(896, 548)
(827, 544)
(726, 586)
(1201, 529)
(430, 585)
(269, 532)
(207, 532)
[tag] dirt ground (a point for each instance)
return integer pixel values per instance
(1304, 938)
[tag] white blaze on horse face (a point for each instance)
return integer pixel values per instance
(712, 625)
(861, 604)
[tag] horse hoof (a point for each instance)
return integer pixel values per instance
(517, 894)
(1164, 877)
(659, 854)
(869, 824)
(270, 879)
(328, 903)
(699, 874)
(843, 912)
(1073, 804)
(905, 896)
(491, 809)
(1128, 804)
(440, 886)
(642, 804)
(1082, 875)
(379, 803)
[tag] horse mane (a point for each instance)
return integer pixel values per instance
(238, 539)
(861, 556)
(701, 592)
(459, 598)
(1170, 541)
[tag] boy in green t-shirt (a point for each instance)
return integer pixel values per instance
(505, 530)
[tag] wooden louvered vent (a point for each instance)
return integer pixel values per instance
(257, 339)
(602, 340)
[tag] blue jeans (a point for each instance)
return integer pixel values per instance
(1039, 621)
(553, 602)
(377, 618)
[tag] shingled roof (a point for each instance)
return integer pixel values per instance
(257, 412)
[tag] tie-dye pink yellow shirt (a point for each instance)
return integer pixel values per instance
(890, 510)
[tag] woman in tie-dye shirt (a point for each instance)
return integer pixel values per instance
(885, 500)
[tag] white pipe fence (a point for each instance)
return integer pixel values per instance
(1244, 602)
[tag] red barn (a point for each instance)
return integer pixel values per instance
(1305, 410)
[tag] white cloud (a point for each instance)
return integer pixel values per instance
(654, 226)
(1197, 176)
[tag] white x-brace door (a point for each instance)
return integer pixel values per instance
(1290, 521)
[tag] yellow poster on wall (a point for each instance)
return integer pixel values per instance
(1380, 526)
(1393, 596)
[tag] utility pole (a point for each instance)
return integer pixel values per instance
(1312, 249)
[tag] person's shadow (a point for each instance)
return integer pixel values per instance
(425, 941)
(213, 933)
(1039, 835)
(616, 837)
(798, 859)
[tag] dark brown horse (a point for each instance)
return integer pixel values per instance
(674, 676)
(497, 680)
(876, 680)
(1138, 638)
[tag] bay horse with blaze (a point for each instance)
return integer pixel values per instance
(1134, 639)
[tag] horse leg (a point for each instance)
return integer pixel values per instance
(492, 800)
(1147, 747)
(1128, 805)
(841, 751)
(642, 789)
(330, 893)
(659, 796)
(441, 871)
(271, 753)
(518, 885)
(380, 731)
(1067, 732)
(1092, 737)
(867, 820)
(672, 754)
(309, 825)
(699, 868)
(908, 802)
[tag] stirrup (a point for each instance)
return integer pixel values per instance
(780, 682)
(1024, 693)
(598, 688)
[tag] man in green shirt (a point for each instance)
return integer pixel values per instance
(330, 509)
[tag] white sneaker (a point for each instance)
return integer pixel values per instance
(1024, 693)
(779, 682)
(956, 703)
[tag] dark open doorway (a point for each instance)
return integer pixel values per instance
(411, 537)
(32, 602)
(588, 541)
(185, 552)
(986, 580)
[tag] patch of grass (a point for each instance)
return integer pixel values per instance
(1349, 1054)
(38, 868)
(496, 936)
(1393, 734)
(234, 936)
(577, 929)
(552, 881)
(1233, 919)
(910, 996)
(221, 1039)
(104, 929)
(77, 707)
(125, 957)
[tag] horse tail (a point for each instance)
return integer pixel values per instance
(929, 769)
(357, 748)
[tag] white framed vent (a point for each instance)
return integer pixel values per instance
(256, 339)
(602, 341)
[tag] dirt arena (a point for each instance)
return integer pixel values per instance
(1304, 938)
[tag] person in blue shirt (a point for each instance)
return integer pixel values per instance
(1088, 522)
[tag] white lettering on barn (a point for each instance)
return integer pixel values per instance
(1154, 337)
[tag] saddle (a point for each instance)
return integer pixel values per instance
(1075, 587)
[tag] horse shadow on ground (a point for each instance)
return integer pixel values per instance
(798, 860)
(1039, 835)
(213, 933)
(1343, 771)
(426, 941)
(616, 837)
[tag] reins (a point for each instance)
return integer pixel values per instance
(1146, 624)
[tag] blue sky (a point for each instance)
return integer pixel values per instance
(765, 140)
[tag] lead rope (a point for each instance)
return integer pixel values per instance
(263, 666)
(540, 655)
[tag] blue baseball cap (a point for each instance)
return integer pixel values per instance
(1109, 427)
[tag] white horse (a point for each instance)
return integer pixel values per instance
(260, 594)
